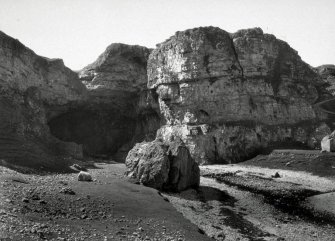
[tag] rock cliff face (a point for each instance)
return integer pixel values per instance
(230, 96)
(31, 86)
(48, 113)
(119, 110)
(227, 96)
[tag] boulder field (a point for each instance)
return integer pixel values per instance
(225, 96)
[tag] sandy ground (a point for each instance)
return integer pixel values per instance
(58, 207)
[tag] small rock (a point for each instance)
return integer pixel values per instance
(35, 197)
(25, 200)
(63, 183)
(220, 236)
(276, 175)
(78, 167)
(84, 176)
(68, 191)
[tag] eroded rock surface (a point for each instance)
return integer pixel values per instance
(167, 166)
(229, 96)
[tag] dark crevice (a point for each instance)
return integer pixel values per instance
(206, 63)
(215, 149)
(236, 56)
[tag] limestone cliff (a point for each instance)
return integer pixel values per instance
(231, 96)
(30, 87)
(227, 96)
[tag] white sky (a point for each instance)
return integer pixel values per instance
(79, 30)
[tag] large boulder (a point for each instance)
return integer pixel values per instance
(328, 143)
(164, 166)
(231, 96)
(84, 176)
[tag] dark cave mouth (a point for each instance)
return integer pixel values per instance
(101, 132)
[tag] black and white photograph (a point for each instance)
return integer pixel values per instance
(167, 120)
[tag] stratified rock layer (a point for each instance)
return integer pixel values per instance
(230, 96)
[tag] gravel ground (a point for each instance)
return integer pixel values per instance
(58, 207)
(245, 201)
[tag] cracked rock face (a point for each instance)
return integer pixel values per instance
(229, 96)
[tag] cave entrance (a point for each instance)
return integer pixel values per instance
(101, 132)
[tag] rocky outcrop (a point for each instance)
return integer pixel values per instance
(231, 96)
(164, 166)
(31, 86)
